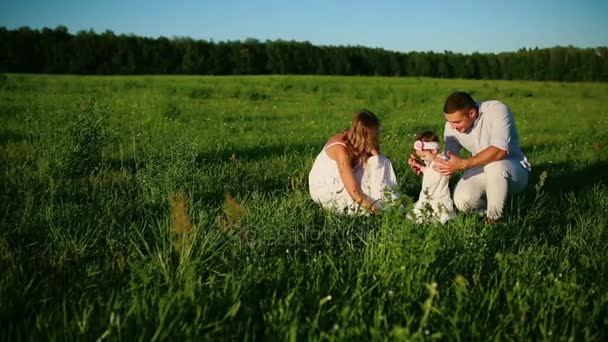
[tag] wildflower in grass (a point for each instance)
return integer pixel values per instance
(461, 281)
(597, 145)
(325, 299)
(180, 221)
(74, 148)
(541, 181)
(233, 213)
(297, 182)
(235, 160)
(167, 166)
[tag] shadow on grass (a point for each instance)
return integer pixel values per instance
(251, 154)
(536, 222)
(240, 172)
(256, 118)
(228, 155)
(11, 137)
(545, 211)
(567, 177)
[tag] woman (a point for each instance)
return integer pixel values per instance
(350, 175)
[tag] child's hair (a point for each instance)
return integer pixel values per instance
(427, 136)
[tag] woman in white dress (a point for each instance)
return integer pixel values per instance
(434, 202)
(350, 175)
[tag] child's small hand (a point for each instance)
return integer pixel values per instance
(415, 165)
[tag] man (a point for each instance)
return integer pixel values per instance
(497, 166)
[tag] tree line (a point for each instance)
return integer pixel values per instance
(57, 51)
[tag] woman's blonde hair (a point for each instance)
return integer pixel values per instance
(363, 135)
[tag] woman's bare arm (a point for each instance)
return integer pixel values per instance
(342, 157)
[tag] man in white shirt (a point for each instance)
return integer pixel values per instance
(497, 166)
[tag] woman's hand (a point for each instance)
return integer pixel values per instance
(374, 209)
(415, 165)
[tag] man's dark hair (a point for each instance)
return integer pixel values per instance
(458, 101)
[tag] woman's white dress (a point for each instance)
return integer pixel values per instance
(376, 178)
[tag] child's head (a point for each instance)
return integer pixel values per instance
(427, 145)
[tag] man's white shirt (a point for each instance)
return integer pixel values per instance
(494, 126)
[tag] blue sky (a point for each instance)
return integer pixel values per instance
(434, 25)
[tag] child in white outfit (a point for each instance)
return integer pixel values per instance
(434, 203)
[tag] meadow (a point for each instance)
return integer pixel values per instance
(176, 207)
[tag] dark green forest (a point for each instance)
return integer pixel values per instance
(57, 51)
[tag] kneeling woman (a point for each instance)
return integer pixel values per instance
(350, 175)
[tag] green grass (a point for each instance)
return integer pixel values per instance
(89, 248)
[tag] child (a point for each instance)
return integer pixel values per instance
(434, 202)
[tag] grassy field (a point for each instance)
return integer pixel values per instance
(176, 207)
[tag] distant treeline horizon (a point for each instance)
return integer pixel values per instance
(56, 51)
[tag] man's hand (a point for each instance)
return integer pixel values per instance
(486, 156)
(448, 167)
(415, 165)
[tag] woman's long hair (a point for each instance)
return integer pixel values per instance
(363, 135)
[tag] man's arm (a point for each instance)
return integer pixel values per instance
(455, 163)
(452, 150)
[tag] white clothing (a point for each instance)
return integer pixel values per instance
(376, 178)
(434, 202)
(495, 181)
(494, 126)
